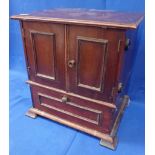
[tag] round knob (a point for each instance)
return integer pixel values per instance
(71, 63)
(64, 99)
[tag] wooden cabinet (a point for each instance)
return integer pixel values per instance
(77, 67)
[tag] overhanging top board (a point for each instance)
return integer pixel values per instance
(84, 16)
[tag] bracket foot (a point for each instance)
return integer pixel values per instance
(31, 114)
(109, 145)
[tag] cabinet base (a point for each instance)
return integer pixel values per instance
(107, 140)
(31, 114)
(109, 145)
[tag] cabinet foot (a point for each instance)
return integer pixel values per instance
(109, 145)
(31, 114)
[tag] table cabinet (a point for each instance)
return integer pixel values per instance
(78, 68)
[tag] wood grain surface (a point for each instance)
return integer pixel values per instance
(86, 16)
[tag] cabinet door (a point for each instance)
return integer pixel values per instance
(45, 53)
(93, 61)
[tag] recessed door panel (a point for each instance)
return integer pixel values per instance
(44, 49)
(45, 46)
(91, 56)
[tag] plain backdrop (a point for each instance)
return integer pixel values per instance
(42, 136)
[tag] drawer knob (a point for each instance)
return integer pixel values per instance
(64, 99)
(71, 63)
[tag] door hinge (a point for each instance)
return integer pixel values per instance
(28, 69)
(119, 46)
(120, 87)
(23, 35)
(117, 89)
(127, 44)
(113, 91)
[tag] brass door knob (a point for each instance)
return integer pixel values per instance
(71, 63)
(64, 99)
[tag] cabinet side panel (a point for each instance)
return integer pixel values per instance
(24, 46)
(128, 61)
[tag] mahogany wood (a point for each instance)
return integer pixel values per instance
(78, 67)
(107, 140)
(98, 49)
(92, 17)
(46, 58)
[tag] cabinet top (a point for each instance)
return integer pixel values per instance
(85, 16)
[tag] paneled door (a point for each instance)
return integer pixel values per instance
(93, 57)
(45, 52)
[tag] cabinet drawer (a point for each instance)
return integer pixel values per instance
(71, 108)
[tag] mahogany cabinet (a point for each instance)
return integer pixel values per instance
(78, 63)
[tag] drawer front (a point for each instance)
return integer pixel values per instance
(72, 108)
